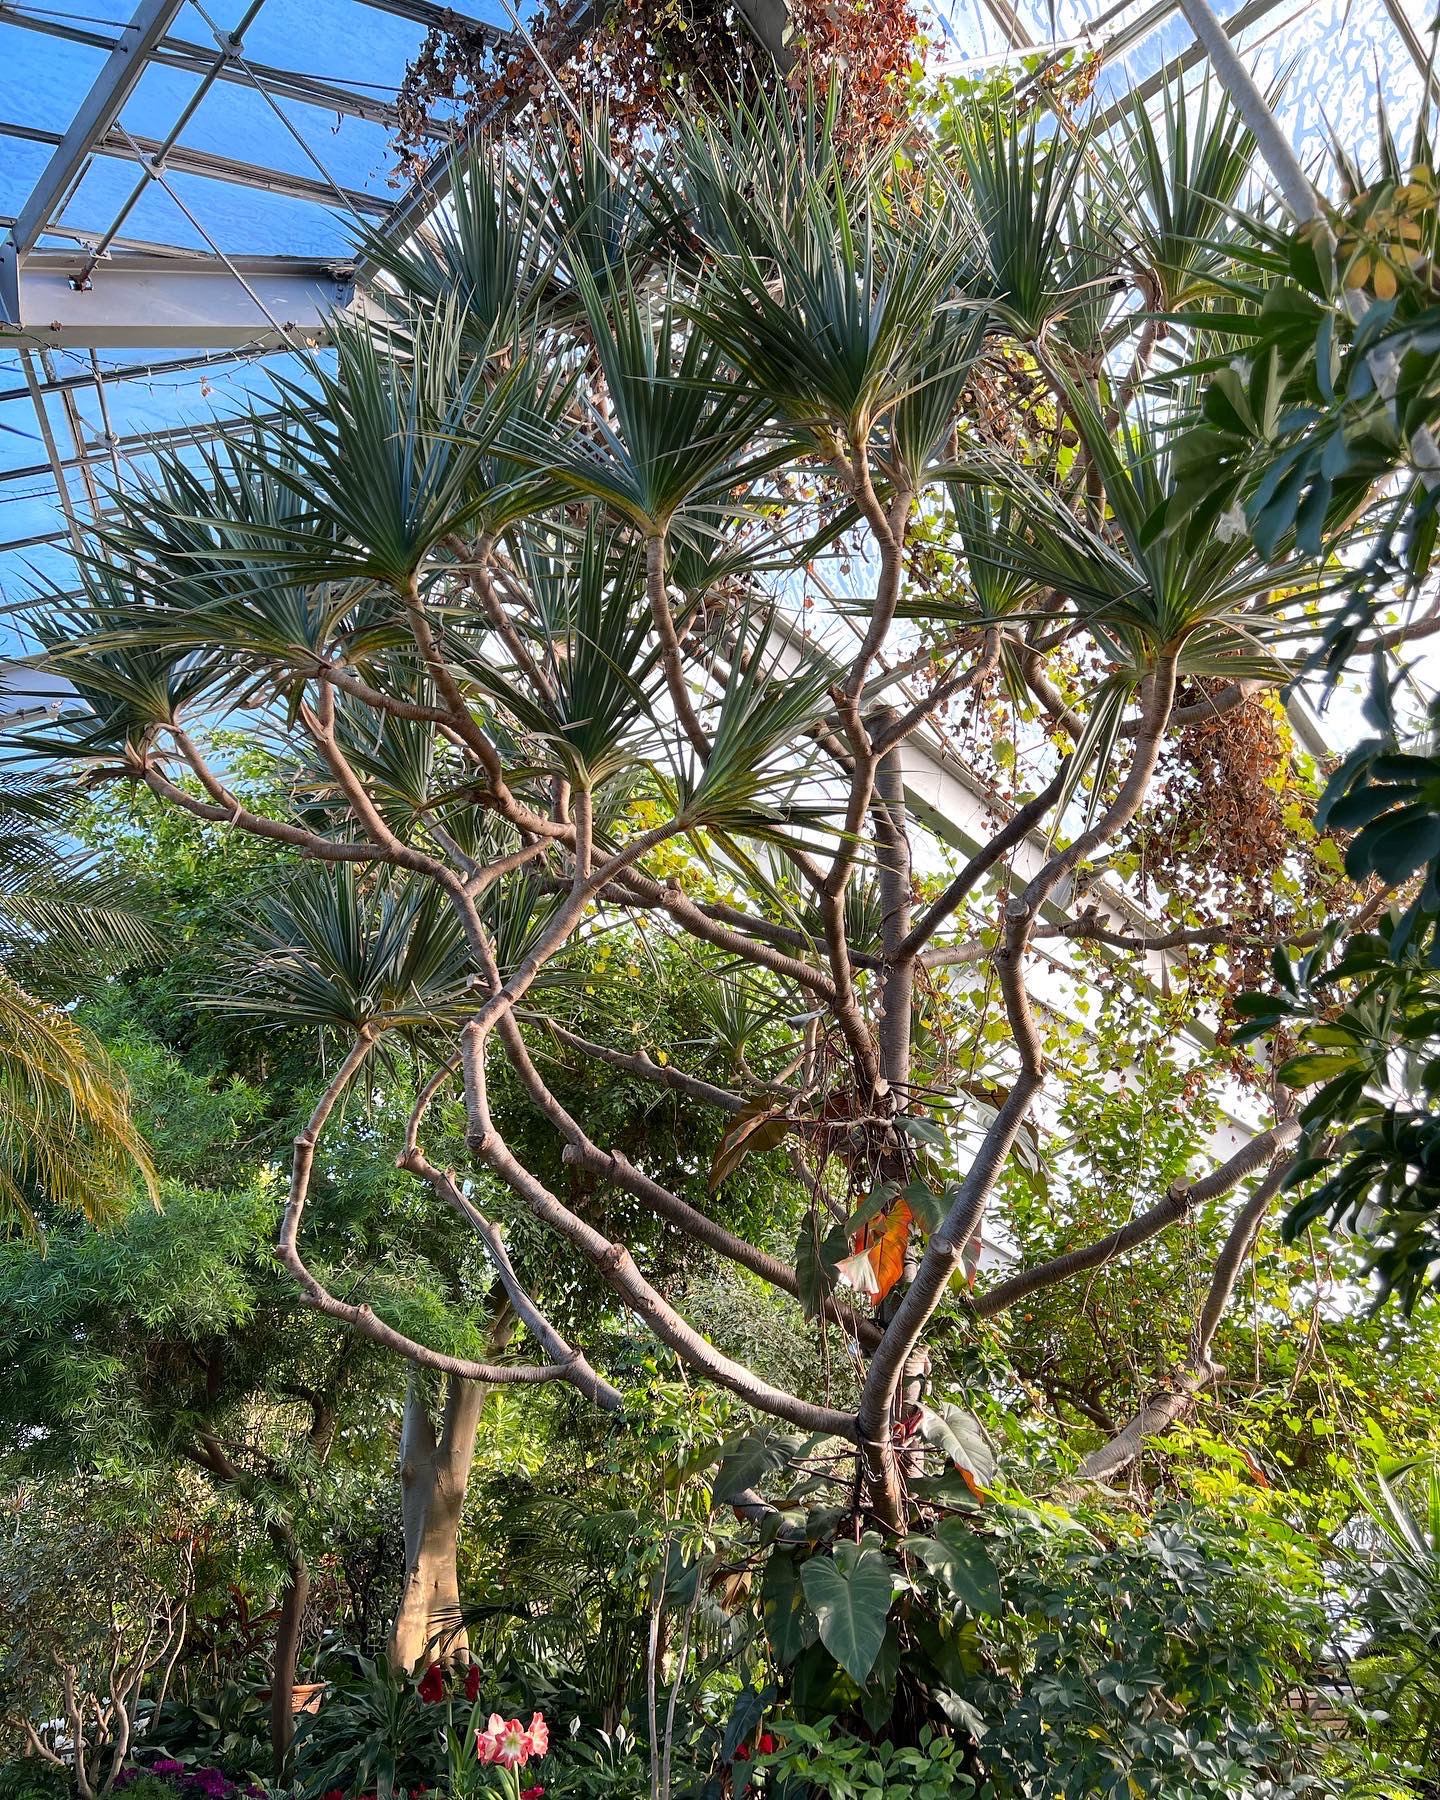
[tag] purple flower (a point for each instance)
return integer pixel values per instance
(167, 1766)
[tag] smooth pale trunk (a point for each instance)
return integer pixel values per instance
(434, 1473)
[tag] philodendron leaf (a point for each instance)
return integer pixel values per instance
(816, 1260)
(849, 1593)
(962, 1562)
(961, 1436)
(758, 1127)
(747, 1458)
(789, 1622)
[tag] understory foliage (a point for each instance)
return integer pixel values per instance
(832, 1158)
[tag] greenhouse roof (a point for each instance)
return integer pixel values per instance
(179, 189)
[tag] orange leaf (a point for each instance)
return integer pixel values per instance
(973, 1485)
(887, 1253)
(758, 1126)
(1254, 1468)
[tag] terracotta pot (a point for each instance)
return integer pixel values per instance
(307, 1695)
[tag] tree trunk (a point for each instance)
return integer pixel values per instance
(287, 1646)
(893, 879)
(434, 1472)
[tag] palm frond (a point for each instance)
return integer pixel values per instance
(1177, 185)
(67, 1139)
(764, 712)
(675, 427)
(1042, 255)
(340, 954)
(826, 305)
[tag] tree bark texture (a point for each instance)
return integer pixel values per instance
(434, 1473)
(293, 1598)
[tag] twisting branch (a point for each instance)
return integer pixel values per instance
(225, 809)
(578, 1371)
(1178, 1202)
(612, 1260)
(637, 1062)
(902, 725)
(671, 660)
(947, 1245)
(363, 1318)
(479, 578)
(1174, 1401)
(1015, 830)
(611, 1165)
(726, 929)
(442, 1182)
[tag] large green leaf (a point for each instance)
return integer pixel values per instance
(962, 1562)
(962, 1438)
(850, 1592)
(789, 1622)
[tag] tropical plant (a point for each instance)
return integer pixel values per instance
(67, 1139)
(1400, 1573)
(1363, 1007)
(167, 1344)
(96, 1581)
(374, 1734)
(821, 1759)
(524, 602)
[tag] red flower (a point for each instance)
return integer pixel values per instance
(432, 1685)
(742, 1753)
(532, 1793)
(472, 1682)
(767, 1744)
(333, 1794)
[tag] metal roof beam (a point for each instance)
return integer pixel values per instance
(1249, 14)
(179, 160)
(445, 18)
(195, 59)
(98, 112)
(139, 302)
(87, 236)
(139, 372)
(145, 443)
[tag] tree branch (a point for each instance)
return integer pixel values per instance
(363, 1318)
(1169, 1405)
(1179, 1201)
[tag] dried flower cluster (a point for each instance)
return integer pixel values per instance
(633, 60)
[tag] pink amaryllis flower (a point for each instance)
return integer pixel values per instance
(508, 1745)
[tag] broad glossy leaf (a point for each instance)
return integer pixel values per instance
(962, 1562)
(817, 1260)
(961, 1437)
(850, 1593)
(789, 1623)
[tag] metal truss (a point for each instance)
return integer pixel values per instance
(69, 283)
